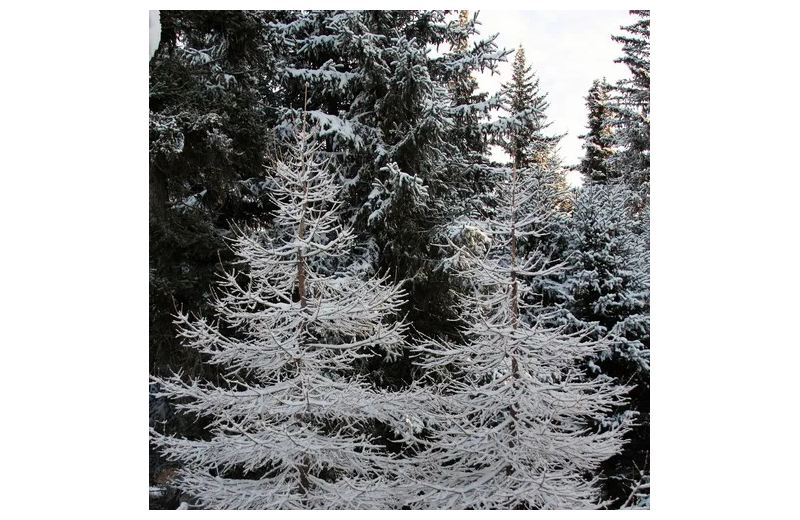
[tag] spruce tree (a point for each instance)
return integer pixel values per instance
(403, 125)
(523, 133)
(290, 415)
(211, 81)
(610, 230)
(609, 286)
(632, 162)
(599, 141)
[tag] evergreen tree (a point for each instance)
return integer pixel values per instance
(521, 133)
(523, 136)
(211, 81)
(609, 286)
(402, 124)
(599, 141)
(632, 162)
(470, 111)
(513, 428)
(290, 417)
(609, 280)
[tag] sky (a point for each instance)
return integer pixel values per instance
(567, 50)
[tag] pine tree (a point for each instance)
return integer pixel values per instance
(599, 141)
(515, 404)
(290, 417)
(521, 133)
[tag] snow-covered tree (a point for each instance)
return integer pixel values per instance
(289, 417)
(211, 81)
(609, 285)
(391, 111)
(522, 134)
(632, 162)
(599, 141)
(515, 405)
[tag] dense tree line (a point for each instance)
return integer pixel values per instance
(609, 276)
(352, 306)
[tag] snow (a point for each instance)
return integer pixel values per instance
(335, 126)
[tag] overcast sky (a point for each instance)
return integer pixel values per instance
(568, 50)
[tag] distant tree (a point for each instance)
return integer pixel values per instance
(632, 162)
(513, 428)
(599, 141)
(610, 246)
(290, 416)
(522, 133)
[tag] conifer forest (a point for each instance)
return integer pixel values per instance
(353, 305)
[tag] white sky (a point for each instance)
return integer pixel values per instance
(567, 50)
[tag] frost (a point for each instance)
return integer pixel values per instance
(327, 74)
(190, 202)
(290, 407)
(400, 189)
(515, 419)
(341, 129)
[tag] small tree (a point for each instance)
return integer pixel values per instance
(515, 404)
(599, 141)
(288, 419)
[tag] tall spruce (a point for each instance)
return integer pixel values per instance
(401, 124)
(632, 162)
(211, 81)
(522, 133)
(610, 244)
(524, 137)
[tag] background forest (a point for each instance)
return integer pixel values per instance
(353, 306)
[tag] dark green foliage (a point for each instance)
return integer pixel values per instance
(610, 242)
(403, 127)
(599, 141)
(523, 137)
(209, 92)
(632, 103)
(609, 286)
